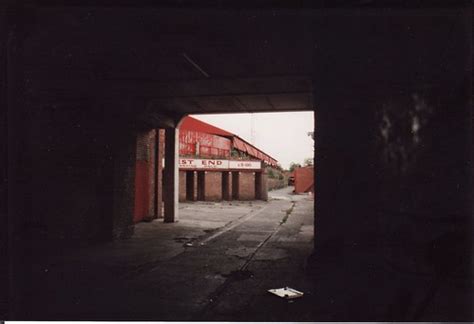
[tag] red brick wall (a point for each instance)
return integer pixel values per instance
(276, 183)
(304, 179)
(247, 186)
(213, 185)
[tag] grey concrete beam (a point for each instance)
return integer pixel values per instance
(156, 120)
(179, 89)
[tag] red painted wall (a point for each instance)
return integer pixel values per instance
(144, 176)
(304, 180)
(142, 197)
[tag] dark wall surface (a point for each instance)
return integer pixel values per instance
(394, 169)
(393, 109)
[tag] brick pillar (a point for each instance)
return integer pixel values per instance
(159, 153)
(236, 185)
(226, 189)
(171, 175)
(261, 186)
(201, 185)
(152, 170)
(195, 184)
(190, 176)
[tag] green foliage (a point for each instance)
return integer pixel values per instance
(271, 173)
(234, 153)
(308, 162)
(293, 166)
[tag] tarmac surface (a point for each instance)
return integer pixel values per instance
(216, 263)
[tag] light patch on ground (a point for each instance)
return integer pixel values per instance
(241, 251)
(252, 237)
(202, 223)
(271, 254)
(280, 198)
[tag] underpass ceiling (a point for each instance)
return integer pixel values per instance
(194, 60)
(180, 61)
(227, 104)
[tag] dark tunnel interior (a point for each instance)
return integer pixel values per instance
(391, 92)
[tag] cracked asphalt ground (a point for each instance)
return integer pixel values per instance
(216, 263)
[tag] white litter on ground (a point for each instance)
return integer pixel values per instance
(286, 292)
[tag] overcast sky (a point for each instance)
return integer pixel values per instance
(284, 136)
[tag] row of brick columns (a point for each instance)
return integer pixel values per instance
(157, 184)
(170, 191)
(230, 185)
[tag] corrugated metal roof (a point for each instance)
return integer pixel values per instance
(203, 144)
(192, 124)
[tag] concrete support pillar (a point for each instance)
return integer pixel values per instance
(343, 180)
(171, 175)
(190, 179)
(236, 185)
(201, 185)
(261, 188)
(226, 189)
(159, 147)
(124, 157)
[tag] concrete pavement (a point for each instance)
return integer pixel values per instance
(216, 263)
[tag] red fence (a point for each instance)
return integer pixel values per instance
(304, 179)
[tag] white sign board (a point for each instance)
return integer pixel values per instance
(192, 164)
(203, 164)
(245, 165)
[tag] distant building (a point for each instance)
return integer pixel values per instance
(215, 164)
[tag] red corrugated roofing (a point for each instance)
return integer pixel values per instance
(251, 150)
(193, 124)
(203, 144)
